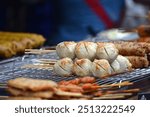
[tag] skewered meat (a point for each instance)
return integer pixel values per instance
(86, 50)
(36, 38)
(82, 67)
(87, 79)
(130, 48)
(78, 81)
(28, 84)
(90, 87)
(138, 62)
(101, 68)
(107, 51)
(134, 48)
(66, 49)
(15, 43)
(64, 67)
(25, 88)
(71, 88)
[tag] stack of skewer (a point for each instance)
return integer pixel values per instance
(79, 88)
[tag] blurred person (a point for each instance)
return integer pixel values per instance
(60, 20)
(63, 20)
(78, 18)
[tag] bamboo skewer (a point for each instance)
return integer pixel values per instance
(37, 51)
(118, 94)
(109, 98)
(40, 66)
(113, 96)
(126, 83)
(124, 91)
(48, 60)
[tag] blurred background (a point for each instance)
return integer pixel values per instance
(60, 20)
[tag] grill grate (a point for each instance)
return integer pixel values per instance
(11, 68)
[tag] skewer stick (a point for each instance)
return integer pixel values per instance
(49, 67)
(118, 94)
(124, 91)
(48, 63)
(116, 85)
(108, 98)
(48, 60)
(36, 51)
(113, 96)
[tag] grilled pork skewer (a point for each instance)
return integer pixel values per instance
(138, 62)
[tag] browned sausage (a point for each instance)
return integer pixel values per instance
(138, 62)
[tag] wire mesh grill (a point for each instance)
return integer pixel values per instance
(11, 68)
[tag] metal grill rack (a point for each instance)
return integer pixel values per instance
(11, 68)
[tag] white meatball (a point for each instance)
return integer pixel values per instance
(86, 50)
(66, 49)
(124, 63)
(64, 67)
(106, 51)
(101, 68)
(82, 67)
(115, 67)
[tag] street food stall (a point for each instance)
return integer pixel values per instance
(93, 69)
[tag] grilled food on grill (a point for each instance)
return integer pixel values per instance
(89, 50)
(66, 49)
(79, 88)
(106, 51)
(101, 68)
(130, 48)
(124, 64)
(28, 84)
(138, 62)
(82, 67)
(12, 43)
(86, 50)
(64, 67)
